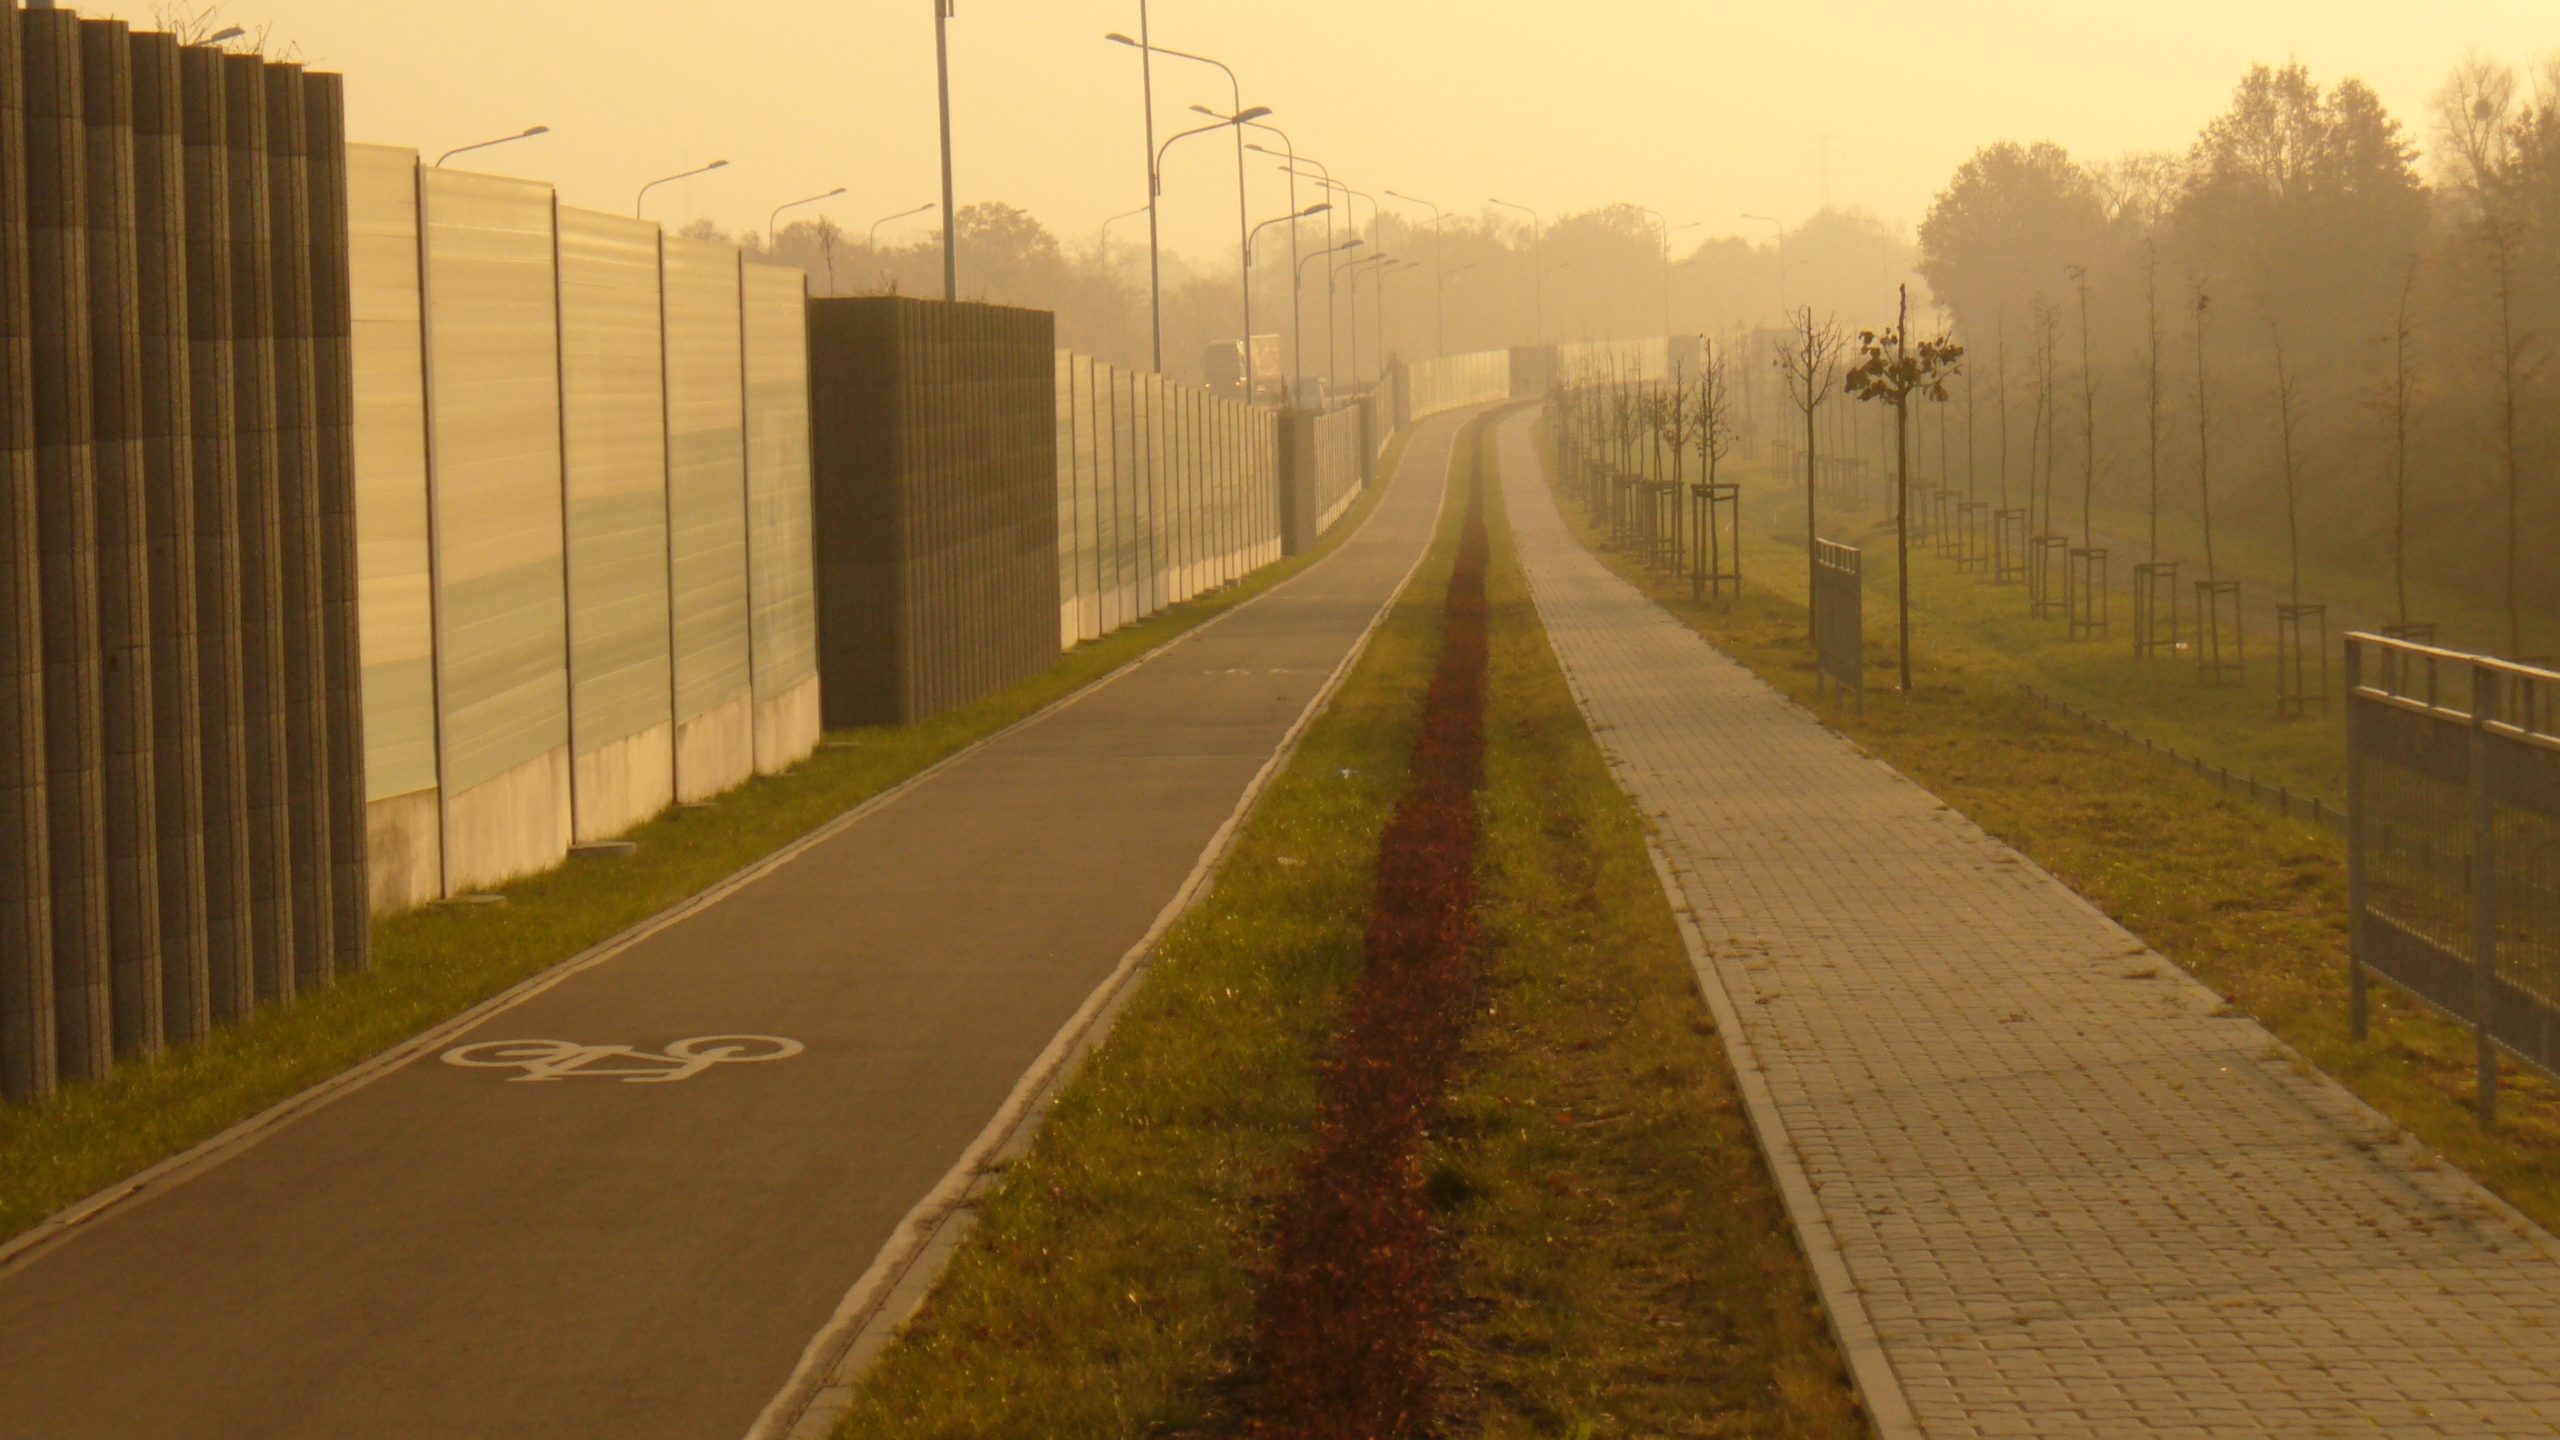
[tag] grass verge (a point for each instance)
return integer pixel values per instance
(1626, 1264)
(2252, 903)
(1622, 1262)
(433, 963)
(1107, 1282)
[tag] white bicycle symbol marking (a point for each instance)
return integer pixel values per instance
(543, 1060)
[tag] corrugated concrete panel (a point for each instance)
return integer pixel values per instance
(66, 521)
(168, 480)
(707, 519)
(263, 633)
(324, 118)
(304, 647)
(26, 936)
(1063, 378)
(493, 406)
(935, 476)
(213, 459)
(782, 599)
(123, 539)
(394, 603)
(614, 453)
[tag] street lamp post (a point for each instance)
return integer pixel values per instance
(525, 134)
(1297, 317)
(639, 204)
(1289, 167)
(1244, 234)
(1297, 381)
(1375, 257)
(871, 239)
(942, 10)
(1662, 223)
(1155, 187)
(771, 235)
(1235, 101)
(1537, 253)
(1332, 367)
(1439, 274)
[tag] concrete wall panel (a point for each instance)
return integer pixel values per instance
(263, 633)
(301, 543)
(614, 453)
(123, 539)
(66, 524)
(26, 936)
(324, 115)
(164, 421)
(213, 459)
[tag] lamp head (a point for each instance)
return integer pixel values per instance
(1257, 112)
(1116, 38)
(532, 131)
(1315, 210)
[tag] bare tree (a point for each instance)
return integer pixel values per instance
(193, 23)
(2400, 402)
(1810, 362)
(1713, 404)
(2151, 391)
(2288, 407)
(2088, 415)
(2204, 434)
(1892, 371)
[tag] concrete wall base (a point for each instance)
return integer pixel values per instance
(515, 824)
(716, 750)
(787, 728)
(621, 784)
(404, 849)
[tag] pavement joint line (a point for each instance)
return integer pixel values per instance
(821, 1387)
(239, 1139)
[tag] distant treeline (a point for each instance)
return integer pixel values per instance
(2372, 329)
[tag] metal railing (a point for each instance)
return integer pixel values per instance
(2453, 843)
(1839, 624)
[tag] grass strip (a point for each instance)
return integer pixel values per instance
(1108, 1279)
(1621, 1262)
(433, 963)
(1351, 1291)
(2252, 903)
(1627, 1268)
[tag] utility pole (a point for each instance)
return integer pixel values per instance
(942, 67)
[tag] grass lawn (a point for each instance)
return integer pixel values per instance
(2252, 903)
(1624, 1266)
(433, 963)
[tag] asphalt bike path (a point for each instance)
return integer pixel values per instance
(624, 1206)
(2049, 1184)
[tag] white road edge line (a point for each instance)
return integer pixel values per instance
(242, 1137)
(821, 1386)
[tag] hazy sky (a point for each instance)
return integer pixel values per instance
(1696, 108)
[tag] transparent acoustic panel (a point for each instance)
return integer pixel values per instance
(706, 476)
(395, 620)
(613, 444)
(494, 398)
(779, 541)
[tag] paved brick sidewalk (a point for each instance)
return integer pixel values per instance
(2047, 1196)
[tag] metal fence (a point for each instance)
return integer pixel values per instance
(2453, 857)
(1839, 618)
